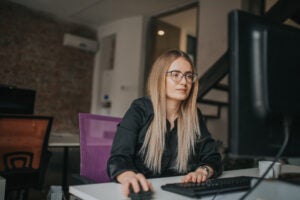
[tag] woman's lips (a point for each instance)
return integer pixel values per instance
(181, 90)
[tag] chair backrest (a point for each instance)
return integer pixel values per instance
(24, 140)
(96, 137)
(24, 150)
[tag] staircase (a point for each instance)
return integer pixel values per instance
(210, 81)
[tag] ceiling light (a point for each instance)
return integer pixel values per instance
(160, 32)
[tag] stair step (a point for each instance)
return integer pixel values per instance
(216, 95)
(211, 116)
(222, 87)
(212, 102)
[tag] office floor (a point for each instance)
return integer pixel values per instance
(54, 172)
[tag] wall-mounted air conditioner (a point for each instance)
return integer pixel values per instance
(80, 42)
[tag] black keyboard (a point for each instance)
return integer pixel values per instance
(210, 187)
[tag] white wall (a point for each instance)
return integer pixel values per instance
(128, 65)
(212, 30)
(129, 59)
(212, 43)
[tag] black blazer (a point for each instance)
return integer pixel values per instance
(125, 152)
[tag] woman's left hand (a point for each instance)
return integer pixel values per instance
(198, 176)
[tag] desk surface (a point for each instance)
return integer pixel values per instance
(113, 190)
(63, 140)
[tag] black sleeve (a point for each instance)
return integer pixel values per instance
(124, 144)
(207, 150)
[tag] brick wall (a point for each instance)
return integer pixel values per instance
(32, 56)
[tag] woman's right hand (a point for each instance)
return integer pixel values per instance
(135, 180)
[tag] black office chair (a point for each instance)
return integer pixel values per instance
(24, 156)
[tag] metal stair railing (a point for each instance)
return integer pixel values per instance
(279, 12)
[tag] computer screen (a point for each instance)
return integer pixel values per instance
(16, 100)
(264, 88)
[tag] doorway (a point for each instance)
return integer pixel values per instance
(176, 29)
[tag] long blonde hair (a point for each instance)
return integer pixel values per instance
(188, 125)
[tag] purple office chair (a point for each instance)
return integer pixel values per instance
(96, 137)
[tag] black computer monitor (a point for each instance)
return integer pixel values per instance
(264, 86)
(15, 100)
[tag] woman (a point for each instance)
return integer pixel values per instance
(164, 134)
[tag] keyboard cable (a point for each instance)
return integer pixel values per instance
(215, 195)
(286, 124)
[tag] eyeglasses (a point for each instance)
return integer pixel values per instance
(178, 75)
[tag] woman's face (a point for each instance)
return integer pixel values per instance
(177, 89)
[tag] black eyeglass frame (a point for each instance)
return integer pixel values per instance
(181, 75)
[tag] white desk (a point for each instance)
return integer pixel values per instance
(65, 141)
(113, 190)
(2, 188)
